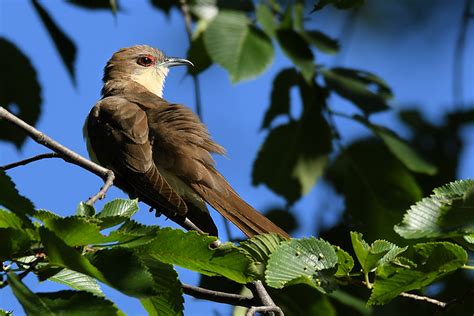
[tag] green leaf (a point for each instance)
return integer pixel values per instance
(375, 193)
(77, 281)
(84, 209)
(265, 19)
(339, 4)
(400, 148)
(75, 231)
(10, 220)
(260, 247)
(321, 41)
(62, 255)
(345, 263)
(302, 147)
(371, 257)
(62, 302)
(242, 49)
(64, 45)
(448, 212)
(11, 199)
(17, 76)
(300, 260)
(169, 300)
(124, 270)
(297, 49)
(132, 234)
(191, 250)
(32, 304)
(14, 242)
(367, 91)
(117, 211)
(280, 97)
(433, 260)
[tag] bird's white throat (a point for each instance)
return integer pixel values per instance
(153, 79)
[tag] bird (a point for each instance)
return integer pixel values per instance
(161, 152)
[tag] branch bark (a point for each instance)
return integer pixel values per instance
(219, 297)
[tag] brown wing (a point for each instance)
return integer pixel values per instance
(118, 133)
(182, 145)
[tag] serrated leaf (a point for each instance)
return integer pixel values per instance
(64, 45)
(280, 97)
(345, 263)
(191, 250)
(12, 200)
(169, 299)
(116, 212)
(321, 41)
(132, 234)
(77, 281)
(18, 75)
(242, 49)
(84, 209)
(433, 260)
(297, 49)
(265, 19)
(300, 261)
(449, 212)
(260, 247)
(365, 90)
(400, 148)
(371, 257)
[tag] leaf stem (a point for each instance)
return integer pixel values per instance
(367, 281)
(467, 267)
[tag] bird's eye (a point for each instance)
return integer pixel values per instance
(145, 61)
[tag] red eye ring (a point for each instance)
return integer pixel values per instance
(146, 61)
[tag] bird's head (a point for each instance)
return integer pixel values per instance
(143, 64)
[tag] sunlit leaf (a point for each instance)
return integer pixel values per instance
(300, 259)
(17, 76)
(448, 212)
(242, 49)
(84, 209)
(77, 281)
(345, 263)
(260, 247)
(265, 19)
(432, 260)
(193, 251)
(116, 212)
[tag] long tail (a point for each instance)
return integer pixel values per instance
(239, 212)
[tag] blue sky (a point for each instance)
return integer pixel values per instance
(416, 61)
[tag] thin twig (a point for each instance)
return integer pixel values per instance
(260, 292)
(219, 297)
(264, 309)
(424, 299)
(189, 31)
(109, 181)
(458, 73)
(29, 160)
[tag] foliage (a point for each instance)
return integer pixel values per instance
(379, 177)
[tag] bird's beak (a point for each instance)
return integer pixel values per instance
(171, 62)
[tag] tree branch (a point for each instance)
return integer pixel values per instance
(219, 297)
(189, 31)
(29, 160)
(425, 299)
(260, 292)
(264, 309)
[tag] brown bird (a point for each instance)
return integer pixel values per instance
(161, 152)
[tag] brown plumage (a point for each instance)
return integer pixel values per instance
(161, 152)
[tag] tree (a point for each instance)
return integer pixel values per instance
(414, 242)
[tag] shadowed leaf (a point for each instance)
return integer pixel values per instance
(64, 45)
(297, 49)
(11, 199)
(16, 77)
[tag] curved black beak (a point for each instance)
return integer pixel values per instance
(172, 62)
